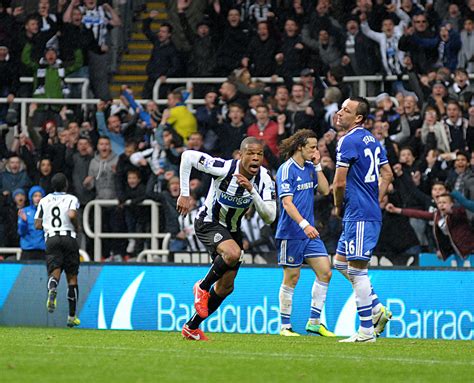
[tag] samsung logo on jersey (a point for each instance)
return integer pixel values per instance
(305, 186)
(368, 139)
(235, 201)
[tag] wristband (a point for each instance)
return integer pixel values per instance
(318, 168)
(303, 224)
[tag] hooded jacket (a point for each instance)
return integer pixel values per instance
(103, 172)
(30, 237)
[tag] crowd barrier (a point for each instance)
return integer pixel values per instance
(426, 303)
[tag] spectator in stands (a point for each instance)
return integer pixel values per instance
(361, 53)
(331, 99)
(202, 56)
(299, 107)
(447, 43)
(179, 116)
(78, 162)
(423, 58)
(461, 89)
(390, 113)
(290, 58)
(135, 215)
(51, 146)
(9, 79)
(380, 132)
(48, 21)
(14, 176)
(99, 19)
(260, 56)
(124, 165)
(328, 52)
(270, 132)
(206, 116)
(49, 74)
(251, 115)
(466, 54)
(453, 17)
(115, 130)
(456, 127)
(280, 105)
(232, 133)
(461, 177)
(101, 175)
(43, 175)
(410, 121)
(234, 40)
(74, 35)
(31, 239)
(451, 229)
(229, 95)
(433, 132)
(164, 60)
(101, 178)
(388, 40)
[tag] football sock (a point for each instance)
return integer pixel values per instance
(213, 304)
(376, 305)
(72, 297)
(217, 270)
(341, 266)
(286, 301)
(52, 283)
(362, 290)
(318, 297)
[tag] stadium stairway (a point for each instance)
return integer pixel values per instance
(131, 70)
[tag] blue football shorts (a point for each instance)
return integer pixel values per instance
(358, 239)
(292, 252)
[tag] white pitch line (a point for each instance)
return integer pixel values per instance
(295, 356)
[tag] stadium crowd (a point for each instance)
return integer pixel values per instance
(122, 150)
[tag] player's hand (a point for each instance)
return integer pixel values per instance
(183, 205)
(316, 157)
(22, 214)
(244, 182)
(311, 232)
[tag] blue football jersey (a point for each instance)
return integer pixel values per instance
(359, 151)
(300, 183)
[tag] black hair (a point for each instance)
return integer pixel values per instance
(363, 108)
(59, 182)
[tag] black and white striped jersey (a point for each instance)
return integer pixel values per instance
(226, 200)
(53, 211)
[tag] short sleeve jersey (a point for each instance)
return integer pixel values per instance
(53, 210)
(363, 155)
(299, 182)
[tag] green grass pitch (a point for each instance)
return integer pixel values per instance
(74, 355)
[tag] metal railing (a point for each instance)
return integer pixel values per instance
(98, 235)
(190, 81)
(73, 80)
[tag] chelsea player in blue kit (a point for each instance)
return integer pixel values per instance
(297, 239)
(361, 180)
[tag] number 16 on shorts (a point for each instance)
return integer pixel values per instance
(358, 239)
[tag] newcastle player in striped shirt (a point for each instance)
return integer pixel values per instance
(57, 216)
(236, 185)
